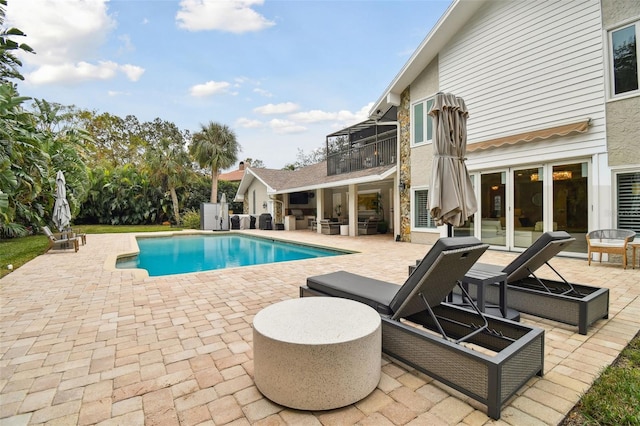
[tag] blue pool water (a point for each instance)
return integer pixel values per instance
(193, 253)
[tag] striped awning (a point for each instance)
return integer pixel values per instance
(534, 135)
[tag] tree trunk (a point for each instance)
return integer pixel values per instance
(214, 186)
(176, 207)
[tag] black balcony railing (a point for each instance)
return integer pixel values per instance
(374, 154)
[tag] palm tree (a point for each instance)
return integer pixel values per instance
(168, 165)
(215, 146)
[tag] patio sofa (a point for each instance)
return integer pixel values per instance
(484, 357)
(368, 226)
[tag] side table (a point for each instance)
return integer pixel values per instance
(317, 353)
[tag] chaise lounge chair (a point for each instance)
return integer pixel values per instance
(484, 357)
(60, 242)
(561, 301)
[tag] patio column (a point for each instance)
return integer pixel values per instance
(353, 210)
(319, 208)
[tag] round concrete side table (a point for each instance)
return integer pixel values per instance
(317, 353)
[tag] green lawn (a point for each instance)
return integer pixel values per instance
(18, 251)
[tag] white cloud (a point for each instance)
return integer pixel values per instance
(263, 92)
(62, 31)
(286, 126)
(248, 123)
(235, 16)
(133, 72)
(283, 108)
(209, 88)
(113, 93)
(66, 36)
(345, 118)
(70, 73)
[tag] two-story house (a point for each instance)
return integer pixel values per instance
(552, 90)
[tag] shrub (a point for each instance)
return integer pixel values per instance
(191, 219)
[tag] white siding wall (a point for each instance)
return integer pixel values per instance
(524, 65)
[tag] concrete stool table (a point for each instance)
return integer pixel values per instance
(317, 353)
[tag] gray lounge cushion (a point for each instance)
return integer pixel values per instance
(388, 298)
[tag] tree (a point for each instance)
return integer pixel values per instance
(9, 63)
(215, 147)
(168, 165)
(254, 163)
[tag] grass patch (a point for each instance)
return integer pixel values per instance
(614, 398)
(18, 251)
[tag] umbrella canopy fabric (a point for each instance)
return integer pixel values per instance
(452, 198)
(61, 211)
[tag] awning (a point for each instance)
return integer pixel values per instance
(534, 135)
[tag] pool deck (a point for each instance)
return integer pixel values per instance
(84, 343)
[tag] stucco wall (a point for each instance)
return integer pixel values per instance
(623, 115)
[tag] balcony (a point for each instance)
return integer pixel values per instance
(363, 155)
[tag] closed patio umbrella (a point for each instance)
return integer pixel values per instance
(452, 199)
(61, 212)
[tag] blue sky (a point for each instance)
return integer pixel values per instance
(282, 74)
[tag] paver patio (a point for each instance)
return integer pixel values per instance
(84, 343)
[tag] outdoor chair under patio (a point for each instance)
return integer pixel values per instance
(54, 241)
(484, 357)
(561, 300)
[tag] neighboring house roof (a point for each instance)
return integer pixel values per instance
(234, 176)
(447, 26)
(309, 178)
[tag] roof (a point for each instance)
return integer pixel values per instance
(310, 178)
(447, 26)
(234, 176)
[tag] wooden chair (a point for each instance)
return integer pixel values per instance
(60, 242)
(610, 241)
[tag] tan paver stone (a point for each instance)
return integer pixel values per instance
(37, 400)
(387, 383)
(126, 406)
(549, 400)
(225, 410)
(432, 393)
(230, 361)
(234, 385)
(451, 410)
(248, 395)
(158, 408)
(63, 396)
(95, 411)
(272, 420)
(412, 381)
(194, 416)
(476, 418)
(19, 420)
(152, 371)
(299, 418)
(201, 362)
(132, 418)
(46, 382)
(97, 391)
(537, 410)
(342, 416)
(375, 401)
(9, 409)
(47, 414)
(427, 419)
(513, 416)
(414, 401)
(184, 388)
(201, 397)
(398, 413)
(260, 409)
(208, 378)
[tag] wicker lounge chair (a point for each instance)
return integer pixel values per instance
(449, 343)
(60, 242)
(561, 301)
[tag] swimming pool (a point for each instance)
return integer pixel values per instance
(193, 253)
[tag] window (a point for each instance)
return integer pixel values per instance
(422, 125)
(628, 200)
(624, 59)
(421, 215)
